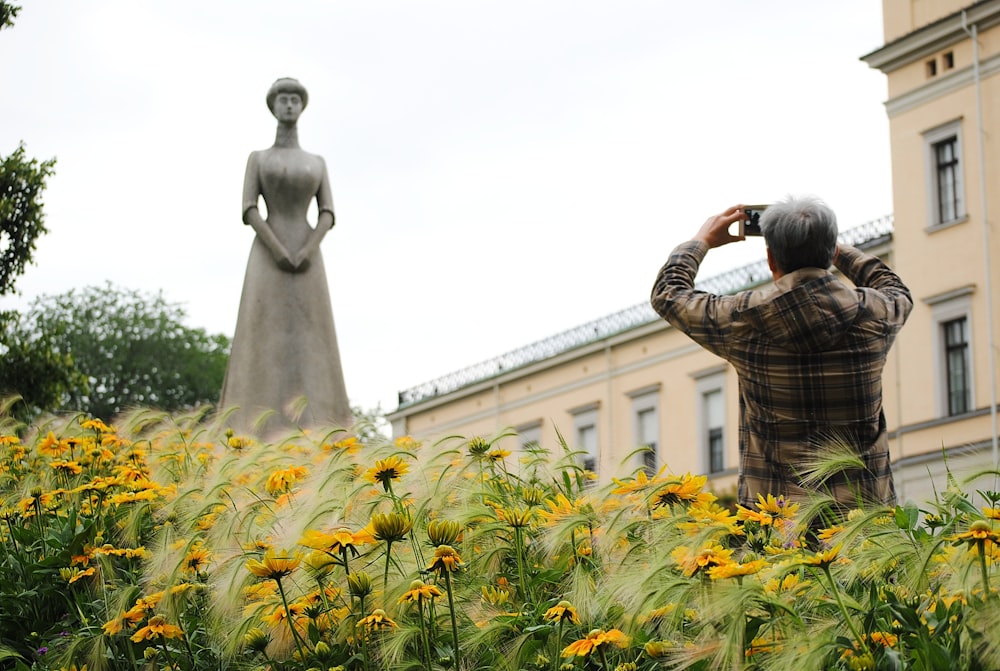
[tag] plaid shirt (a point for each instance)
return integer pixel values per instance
(809, 352)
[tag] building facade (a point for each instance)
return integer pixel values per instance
(629, 391)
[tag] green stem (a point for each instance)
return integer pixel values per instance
(843, 609)
(558, 651)
(385, 575)
(454, 622)
(41, 529)
(519, 552)
(980, 546)
(423, 631)
(288, 619)
(604, 659)
(364, 634)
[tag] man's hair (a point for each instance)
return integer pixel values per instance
(801, 232)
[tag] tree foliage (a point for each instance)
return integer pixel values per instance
(22, 221)
(133, 348)
(8, 13)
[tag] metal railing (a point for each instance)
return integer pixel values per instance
(866, 235)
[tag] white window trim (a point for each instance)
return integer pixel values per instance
(705, 384)
(584, 416)
(944, 308)
(932, 137)
(528, 433)
(647, 399)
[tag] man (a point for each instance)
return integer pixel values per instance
(808, 351)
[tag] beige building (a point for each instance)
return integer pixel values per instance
(629, 380)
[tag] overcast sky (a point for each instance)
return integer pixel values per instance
(501, 171)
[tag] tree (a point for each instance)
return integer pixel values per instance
(133, 349)
(22, 221)
(8, 13)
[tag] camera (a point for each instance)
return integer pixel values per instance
(751, 226)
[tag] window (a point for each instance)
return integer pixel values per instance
(646, 425)
(948, 60)
(646, 421)
(529, 435)
(952, 340)
(946, 201)
(586, 438)
(956, 356)
(710, 387)
(931, 66)
(713, 413)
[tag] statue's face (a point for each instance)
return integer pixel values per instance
(287, 107)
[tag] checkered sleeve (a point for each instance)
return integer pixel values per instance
(704, 317)
(883, 290)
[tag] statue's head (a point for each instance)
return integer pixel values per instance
(286, 85)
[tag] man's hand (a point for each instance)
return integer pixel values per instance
(715, 231)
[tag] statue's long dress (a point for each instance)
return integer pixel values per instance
(285, 345)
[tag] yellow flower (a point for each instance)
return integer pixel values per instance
(390, 527)
(516, 517)
(595, 639)
(478, 446)
(675, 490)
(97, 425)
(406, 443)
(443, 532)
(733, 570)
(979, 531)
(991, 513)
(777, 507)
(272, 566)
(562, 612)
(281, 481)
(77, 574)
(68, 467)
(387, 470)
(420, 590)
(377, 620)
(239, 442)
(256, 639)
(338, 541)
(52, 446)
(351, 445)
(196, 559)
(497, 454)
(445, 560)
(705, 558)
(359, 583)
(708, 513)
(157, 628)
(823, 558)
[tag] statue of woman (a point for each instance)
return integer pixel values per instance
(284, 357)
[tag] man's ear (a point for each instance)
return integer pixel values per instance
(770, 261)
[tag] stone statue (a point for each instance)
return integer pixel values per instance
(284, 356)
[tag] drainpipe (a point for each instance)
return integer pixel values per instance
(973, 34)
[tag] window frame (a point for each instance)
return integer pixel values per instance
(586, 417)
(933, 139)
(710, 382)
(947, 308)
(647, 400)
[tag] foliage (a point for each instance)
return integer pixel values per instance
(32, 367)
(8, 12)
(133, 348)
(22, 221)
(174, 543)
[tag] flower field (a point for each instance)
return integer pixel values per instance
(167, 542)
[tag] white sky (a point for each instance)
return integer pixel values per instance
(501, 171)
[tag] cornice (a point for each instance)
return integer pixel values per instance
(958, 80)
(933, 37)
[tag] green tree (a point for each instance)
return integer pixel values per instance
(133, 349)
(22, 221)
(8, 13)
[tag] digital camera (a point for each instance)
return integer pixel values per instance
(751, 226)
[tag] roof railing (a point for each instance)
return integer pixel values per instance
(866, 235)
